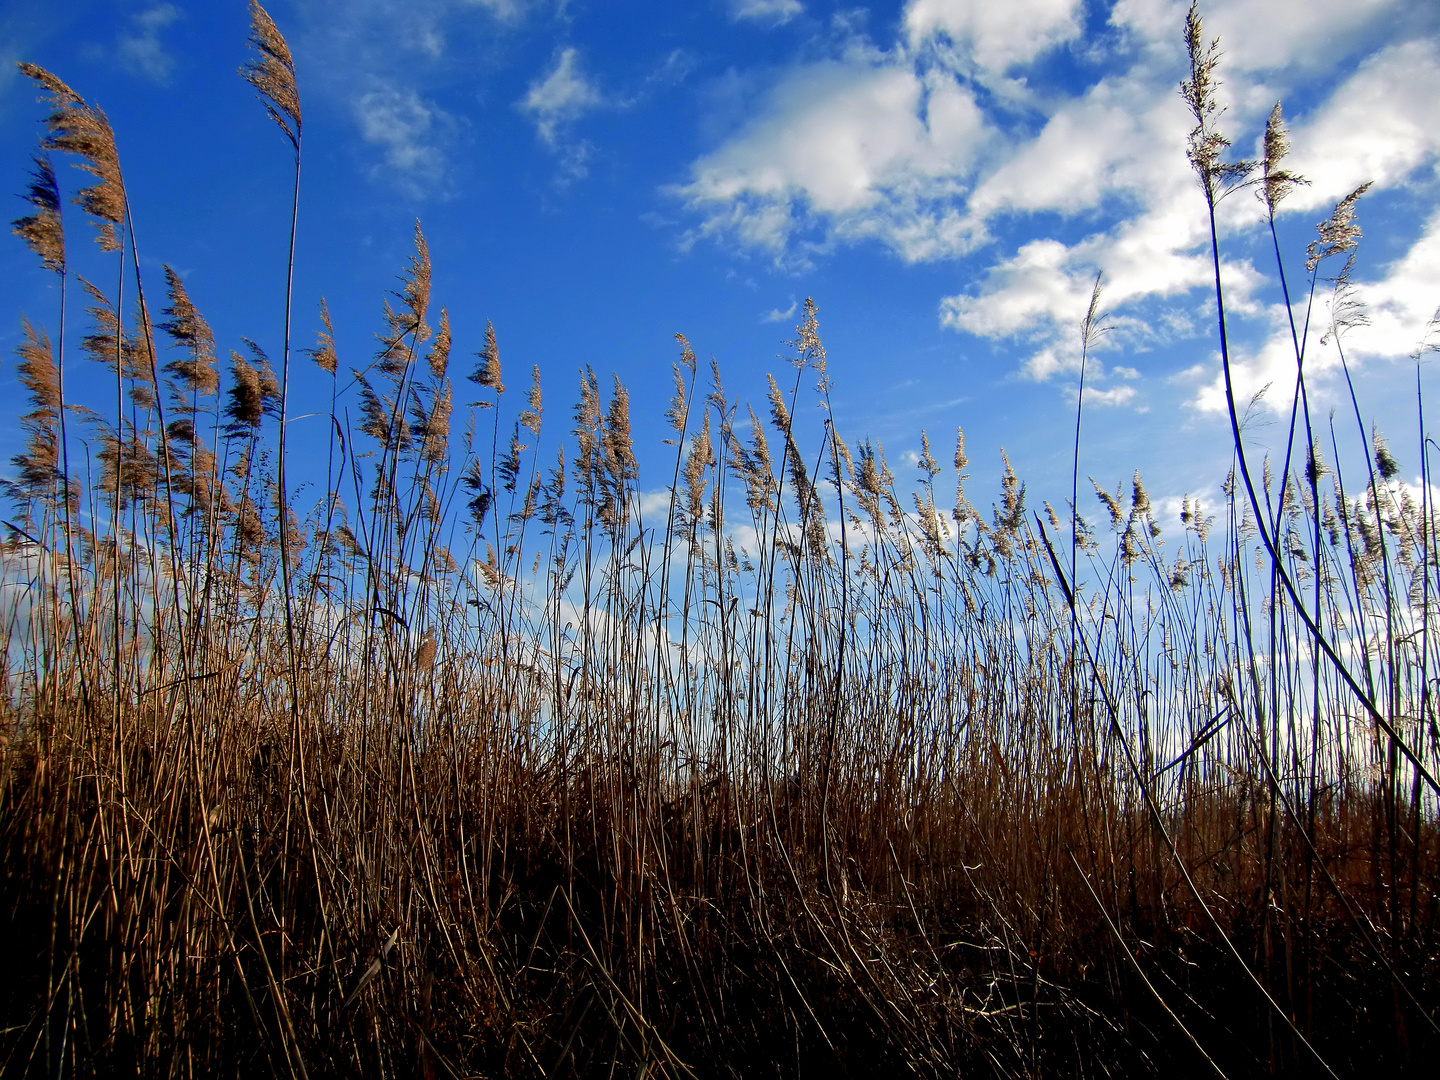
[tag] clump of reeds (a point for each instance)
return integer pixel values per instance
(475, 770)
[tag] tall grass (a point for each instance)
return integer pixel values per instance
(473, 769)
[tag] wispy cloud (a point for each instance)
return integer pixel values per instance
(412, 135)
(507, 10)
(776, 315)
(675, 68)
(561, 96)
(775, 12)
(139, 49)
(390, 63)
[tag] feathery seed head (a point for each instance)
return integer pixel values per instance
(425, 652)
(809, 352)
(1338, 233)
(1012, 517)
(61, 96)
(246, 407)
(678, 411)
(487, 372)
(1277, 182)
(128, 467)
(43, 231)
(38, 464)
(80, 129)
(756, 467)
(867, 485)
(265, 372)
(1385, 462)
(687, 354)
(779, 414)
(618, 445)
(1094, 326)
(416, 293)
(696, 463)
(1140, 502)
(433, 425)
(927, 460)
(324, 352)
(530, 418)
(37, 367)
(1112, 503)
(184, 323)
(716, 397)
(272, 73)
(1347, 310)
(438, 358)
(108, 342)
(1206, 145)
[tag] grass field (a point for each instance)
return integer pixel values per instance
(465, 766)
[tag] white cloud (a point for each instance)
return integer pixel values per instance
(140, 51)
(574, 162)
(1398, 308)
(858, 147)
(776, 12)
(776, 315)
(996, 35)
(653, 504)
(1264, 35)
(1042, 292)
(412, 135)
(1121, 140)
(505, 10)
(1378, 126)
(561, 97)
(1257, 35)
(1112, 139)
(1402, 303)
(1037, 283)
(1109, 399)
(897, 145)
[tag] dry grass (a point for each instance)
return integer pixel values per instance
(471, 771)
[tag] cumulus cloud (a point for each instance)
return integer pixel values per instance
(995, 36)
(775, 12)
(1379, 126)
(1396, 308)
(562, 96)
(854, 147)
(935, 145)
(1109, 399)
(140, 50)
(1259, 35)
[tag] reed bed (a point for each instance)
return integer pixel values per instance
(471, 768)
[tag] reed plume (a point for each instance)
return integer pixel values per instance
(82, 130)
(272, 73)
(44, 231)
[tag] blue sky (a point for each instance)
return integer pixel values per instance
(944, 177)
